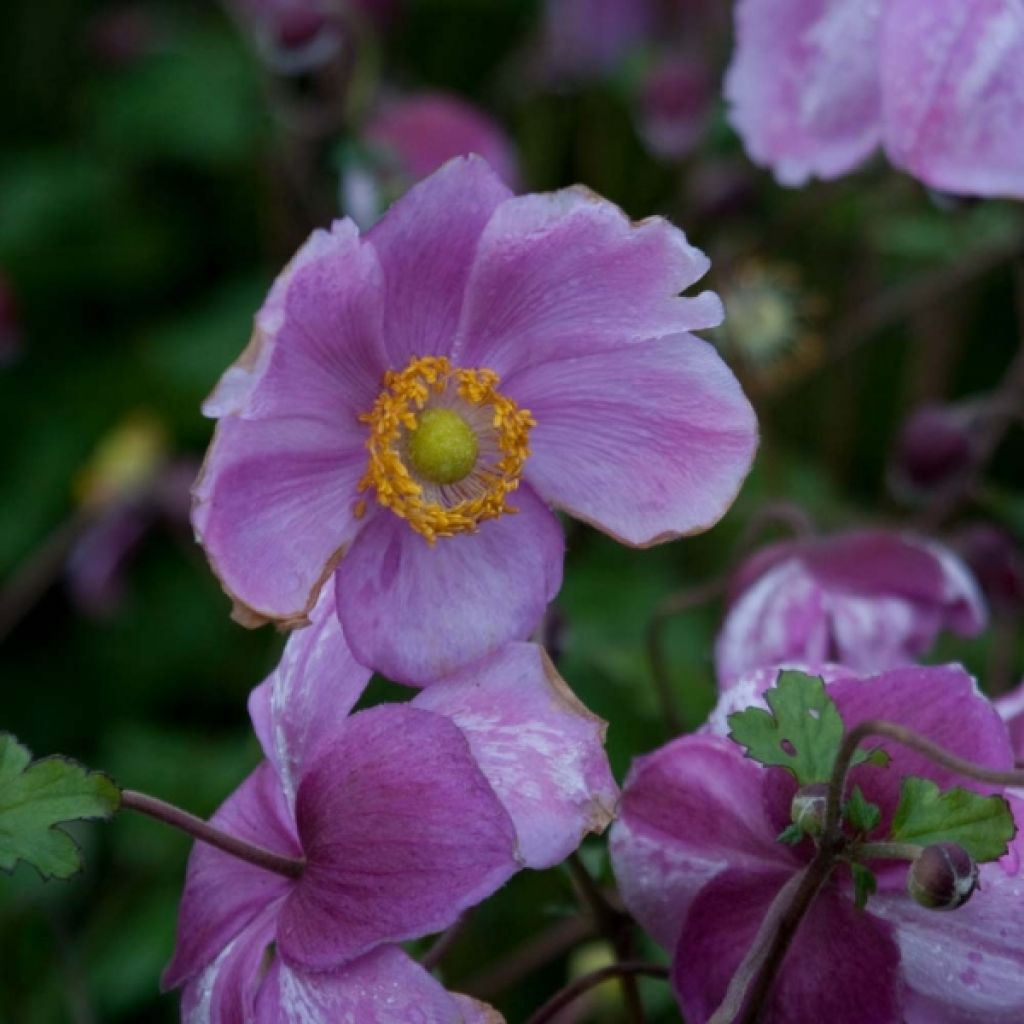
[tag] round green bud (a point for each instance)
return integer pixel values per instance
(442, 447)
(808, 807)
(942, 877)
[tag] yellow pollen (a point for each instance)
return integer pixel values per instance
(446, 447)
(443, 446)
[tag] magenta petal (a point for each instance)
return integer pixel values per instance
(315, 352)
(401, 833)
(803, 84)
(383, 987)
(417, 611)
(968, 968)
(646, 442)
(273, 508)
(226, 991)
(222, 893)
(567, 274)
(843, 965)
(942, 704)
(952, 75)
(539, 747)
(299, 708)
(426, 243)
(688, 811)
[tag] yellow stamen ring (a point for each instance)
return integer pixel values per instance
(446, 447)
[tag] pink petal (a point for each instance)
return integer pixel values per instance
(223, 894)
(567, 274)
(647, 442)
(539, 747)
(383, 987)
(803, 85)
(941, 703)
(688, 811)
(401, 833)
(315, 351)
(843, 965)
(952, 76)
(416, 612)
(273, 508)
(969, 967)
(299, 708)
(226, 991)
(426, 243)
(1011, 710)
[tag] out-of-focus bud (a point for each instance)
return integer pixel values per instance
(934, 451)
(997, 562)
(125, 462)
(674, 105)
(10, 326)
(943, 877)
(809, 806)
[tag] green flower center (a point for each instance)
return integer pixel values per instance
(442, 447)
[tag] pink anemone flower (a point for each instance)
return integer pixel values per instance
(815, 86)
(416, 399)
(868, 599)
(697, 861)
(405, 815)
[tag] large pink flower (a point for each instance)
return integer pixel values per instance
(869, 599)
(475, 355)
(698, 864)
(406, 814)
(816, 85)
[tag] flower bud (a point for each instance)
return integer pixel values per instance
(933, 451)
(808, 807)
(997, 562)
(943, 877)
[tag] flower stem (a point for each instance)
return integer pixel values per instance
(614, 925)
(290, 867)
(624, 969)
(885, 851)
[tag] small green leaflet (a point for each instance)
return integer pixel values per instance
(791, 835)
(35, 798)
(862, 815)
(982, 825)
(864, 884)
(802, 732)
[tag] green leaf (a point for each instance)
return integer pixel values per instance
(862, 815)
(791, 835)
(802, 732)
(37, 797)
(982, 825)
(864, 884)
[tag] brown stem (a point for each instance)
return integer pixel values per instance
(440, 949)
(615, 926)
(674, 604)
(290, 867)
(630, 969)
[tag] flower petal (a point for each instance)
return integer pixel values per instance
(567, 274)
(417, 611)
(803, 85)
(688, 811)
(226, 991)
(843, 965)
(222, 893)
(647, 442)
(273, 509)
(383, 987)
(952, 75)
(539, 747)
(298, 709)
(426, 243)
(401, 833)
(315, 352)
(968, 968)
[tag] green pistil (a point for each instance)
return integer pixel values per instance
(442, 448)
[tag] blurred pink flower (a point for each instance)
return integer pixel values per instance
(816, 86)
(444, 797)
(675, 104)
(698, 864)
(868, 599)
(584, 38)
(474, 354)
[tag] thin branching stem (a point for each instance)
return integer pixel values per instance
(624, 969)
